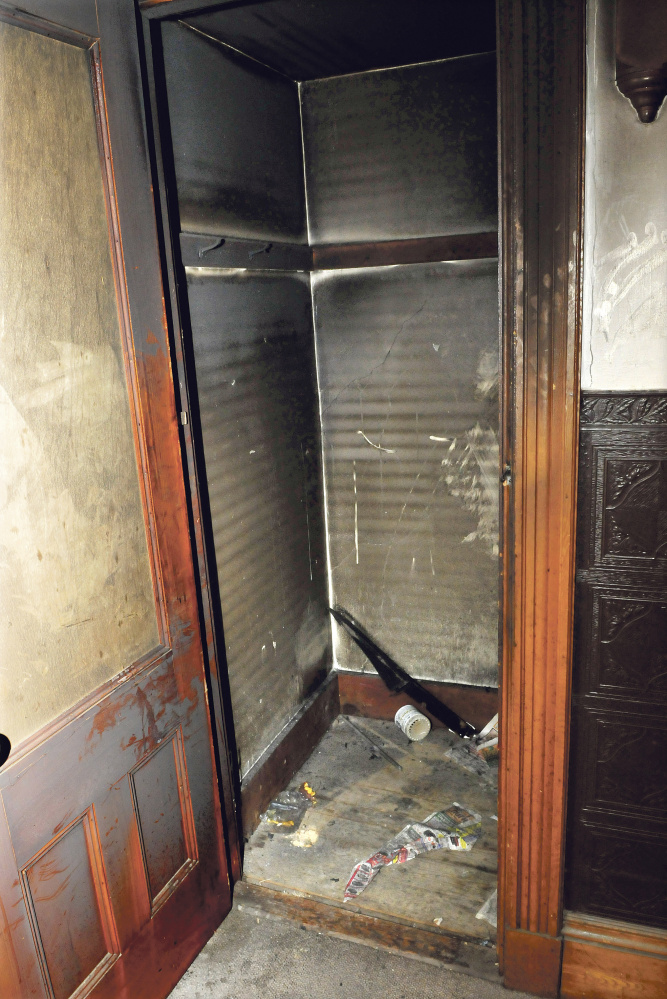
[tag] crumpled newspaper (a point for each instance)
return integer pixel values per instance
(454, 828)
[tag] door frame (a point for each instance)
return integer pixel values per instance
(541, 59)
(541, 50)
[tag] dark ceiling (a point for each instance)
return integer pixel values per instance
(310, 39)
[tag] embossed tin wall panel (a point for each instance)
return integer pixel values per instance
(618, 761)
(408, 365)
(75, 583)
(307, 39)
(236, 136)
(255, 371)
(402, 153)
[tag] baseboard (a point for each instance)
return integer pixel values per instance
(365, 694)
(289, 751)
(460, 953)
(532, 963)
(608, 959)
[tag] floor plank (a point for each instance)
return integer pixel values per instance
(362, 801)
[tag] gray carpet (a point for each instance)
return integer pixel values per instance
(257, 956)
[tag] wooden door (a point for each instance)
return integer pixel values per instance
(112, 863)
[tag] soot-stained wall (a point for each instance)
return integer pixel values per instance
(408, 367)
(236, 140)
(236, 136)
(402, 153)
(408, 363)
(253, 347)
(625, 229)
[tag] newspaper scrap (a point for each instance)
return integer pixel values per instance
(461, 754)
(454, 828)
(289, 807)
(485, 743)
(489, 910)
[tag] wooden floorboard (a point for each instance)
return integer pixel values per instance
(362, 801)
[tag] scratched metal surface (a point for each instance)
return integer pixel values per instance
(402, 153)
(255, 370)
(236, 136)
(308, 39)
(75, 583)
(408, 367)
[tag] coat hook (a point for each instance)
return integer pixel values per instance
(214, 246)
(264, 249)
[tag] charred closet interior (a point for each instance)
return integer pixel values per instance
(331, 181)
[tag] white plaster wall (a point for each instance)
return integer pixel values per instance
(625, 230)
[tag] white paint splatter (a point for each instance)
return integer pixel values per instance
(356, 512)
(378, 446)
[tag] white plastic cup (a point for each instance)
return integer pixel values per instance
(413, 723)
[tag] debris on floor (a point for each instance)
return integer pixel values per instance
(288, 808)
(455, 828)
(412, 723)
(489, 910)
(304, 837)
(461, 753)
(397, 679)
(486, 743)
(373, 742)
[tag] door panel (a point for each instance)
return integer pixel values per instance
(112, 864)
(75, 580)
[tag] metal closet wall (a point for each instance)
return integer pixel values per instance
(236, 140)
(399, 454)
(408, 361)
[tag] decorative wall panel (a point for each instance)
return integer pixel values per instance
(618, 801)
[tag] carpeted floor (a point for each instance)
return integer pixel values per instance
(257, 956)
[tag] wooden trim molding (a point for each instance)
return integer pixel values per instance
(607, 959)
(541, 93)
(469, 246)
(209, 602)
(464, 954)
(366, 694)
(289, 750)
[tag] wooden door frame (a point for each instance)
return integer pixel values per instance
(541, 46)
(541, 49)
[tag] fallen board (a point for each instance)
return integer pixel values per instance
(362, 801)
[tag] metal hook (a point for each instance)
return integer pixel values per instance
(214, 246)
(264, 249)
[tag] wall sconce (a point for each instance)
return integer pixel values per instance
(641, 54)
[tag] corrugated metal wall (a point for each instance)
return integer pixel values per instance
(402, 153)
(236, 138)
(253, 346)
(408, 363)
